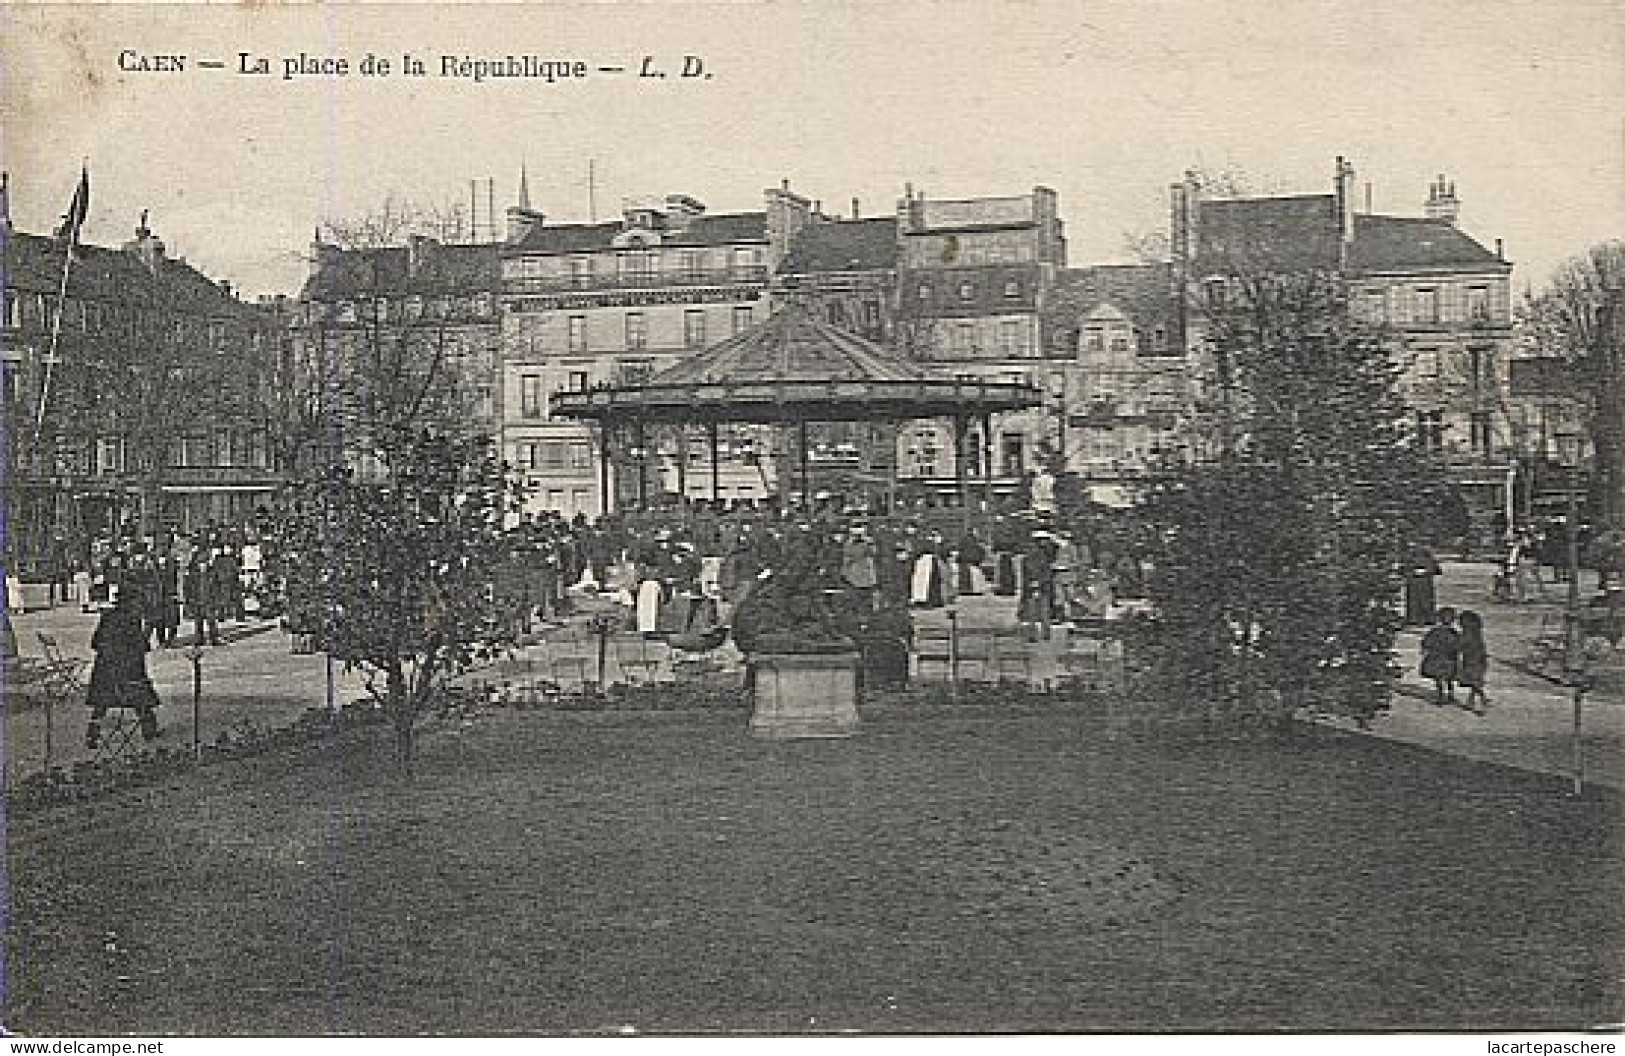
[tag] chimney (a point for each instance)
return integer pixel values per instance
(5, 203)
(787, 214)
(1500, 251)
(418, 248)
(681, 209)
(521, 221)
(147, 247)
(854, 208)
(1442, 203)
(1343, 194)
(322, 255)
(1185, 202)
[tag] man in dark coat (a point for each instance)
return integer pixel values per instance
(118, 678)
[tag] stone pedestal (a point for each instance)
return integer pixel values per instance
(799, 695)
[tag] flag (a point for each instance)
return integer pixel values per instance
(78, 209)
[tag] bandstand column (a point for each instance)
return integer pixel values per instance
(987, 459)
(605, 427)
(959, 457)
(716, 470)
(806, 489)
(640, 442)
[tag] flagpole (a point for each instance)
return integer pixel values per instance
(56, 334)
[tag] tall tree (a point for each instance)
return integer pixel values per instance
(1580, 317)
(1277, 559)
(395, 535)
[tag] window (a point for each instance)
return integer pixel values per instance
(694, 328)
(110, 455)
(1012, 289)
(637, 265)
(744, 259)
(634, 371)
(578, 500)
(967, 291)
(1478, 304)
(743, 316)
(693, 264)
(637, 330)
(14, 310)
(578, 333)
(580, 271)
(578, 381)
(526, 456)
(580, 456)
(1010, 342)
(964, 338)
(1430, 430)
(1427, 306)
(1376, 306)
(925, 293)
(924, 451)
(555, 499)
(530, 396)
(1013, 452)
(1159, 339)
(1479, 428)
(1119, 338)
(553, 452)
(1094, 339)
(871, 314)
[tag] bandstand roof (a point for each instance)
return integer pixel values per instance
(795, 367)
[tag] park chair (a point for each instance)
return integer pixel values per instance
(120, 732)
(975, 655)
(933, 645)
(1549, 645)
(572, 658)
(1012, 658)
(1081, 664)
(639, 658)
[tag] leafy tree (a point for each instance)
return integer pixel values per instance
(1580, 317)
(395, 533)
(1278, 558)
(395, 565)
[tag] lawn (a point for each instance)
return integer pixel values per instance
(940, 872)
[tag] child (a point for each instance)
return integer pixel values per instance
(1474, 660)
(1441, 656)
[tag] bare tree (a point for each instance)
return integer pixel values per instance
(1580, 318)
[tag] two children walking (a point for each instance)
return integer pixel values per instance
(1454, 653)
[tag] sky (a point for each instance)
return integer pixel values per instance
(1522, 104)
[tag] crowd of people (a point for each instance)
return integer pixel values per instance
(678, 576)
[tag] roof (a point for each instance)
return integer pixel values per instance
(1301, 232)
(843, 245)
(707, 229)
(441, 268)
(1391, 243)
(1143, 291)
(795, 365)
(1285, 233)
(1146, 293)
(34, 262)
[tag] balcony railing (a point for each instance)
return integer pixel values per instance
(639, 280)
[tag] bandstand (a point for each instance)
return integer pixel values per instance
(791, 370)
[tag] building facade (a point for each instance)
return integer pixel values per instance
(404, 327)
(1125, 396)
(975, 278)
(1441, 297)
(616, 302)
(158, 408)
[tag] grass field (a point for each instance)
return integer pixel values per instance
(945, 872)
